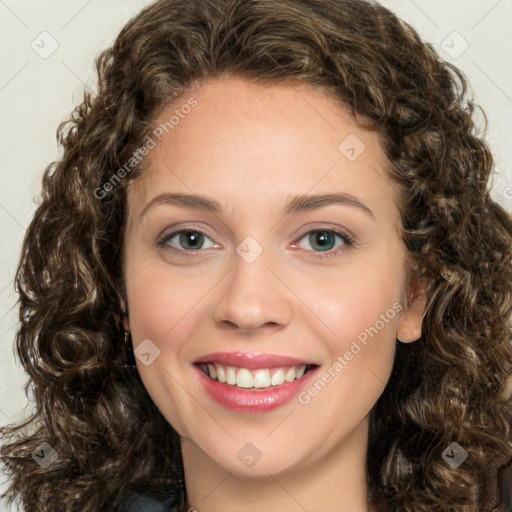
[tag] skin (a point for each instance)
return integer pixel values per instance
(250, 147)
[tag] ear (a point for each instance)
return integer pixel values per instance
(409, 326)
(125, 319)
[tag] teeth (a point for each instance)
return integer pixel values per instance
(213, 372)
(221, 374)
(278, 378)
(230, 375)
(246, 379)
(290, 375)
(262, 379)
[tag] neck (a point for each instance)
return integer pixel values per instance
(333, 483)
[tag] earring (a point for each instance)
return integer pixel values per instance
(126, 337)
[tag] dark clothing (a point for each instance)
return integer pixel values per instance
(138, 502)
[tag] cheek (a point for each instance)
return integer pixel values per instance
(362, 312)
(362, 327)
(357, 302)
(160, 301)
(159, 307)
(153, 307)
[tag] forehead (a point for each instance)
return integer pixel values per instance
(243, 139)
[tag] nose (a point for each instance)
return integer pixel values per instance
(253, 298)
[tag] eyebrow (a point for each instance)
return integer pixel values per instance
(293, 205)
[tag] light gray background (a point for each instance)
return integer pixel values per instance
(38, 91)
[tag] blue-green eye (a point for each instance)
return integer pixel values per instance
(324, 240)
(191, 241)
(188, 240)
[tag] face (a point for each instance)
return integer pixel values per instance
(291, 263)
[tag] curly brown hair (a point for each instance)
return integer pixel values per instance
(451, 386)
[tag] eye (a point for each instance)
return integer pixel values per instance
(190, 239)
(324, 240)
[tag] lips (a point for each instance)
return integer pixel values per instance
(255, 382)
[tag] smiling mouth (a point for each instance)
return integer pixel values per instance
(263, 378)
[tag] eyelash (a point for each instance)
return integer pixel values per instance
(348, 240)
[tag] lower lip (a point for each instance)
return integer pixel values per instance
(258, 400)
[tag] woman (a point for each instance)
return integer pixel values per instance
(191, 341)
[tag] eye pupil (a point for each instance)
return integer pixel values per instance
(322, 235)
(192, 236)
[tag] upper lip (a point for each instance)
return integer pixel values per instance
(252, 361)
